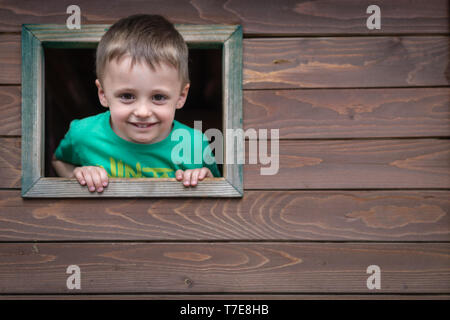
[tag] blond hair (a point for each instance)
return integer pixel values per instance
(150, 38)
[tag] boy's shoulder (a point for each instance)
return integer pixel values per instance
(88, 127)
(91, 123)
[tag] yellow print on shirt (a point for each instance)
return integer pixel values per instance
(121, 170)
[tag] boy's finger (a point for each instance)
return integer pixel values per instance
(103, 177)
(205, 172)
(194, 177)
(97, 179)
(187, 177)
(89, 182)
(179, 175)
(79, 176)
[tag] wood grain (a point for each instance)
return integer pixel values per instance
(346, 62)
(10, 58)
(10, 111)
(317, 62)
(349, 113)
(354, 164)
(224, 267)
(10, 163)
(260, 215)
(271, 17)
(328, 164)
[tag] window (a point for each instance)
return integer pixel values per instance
(43, 125)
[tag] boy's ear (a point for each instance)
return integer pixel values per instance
(101, 94)
(183, 96)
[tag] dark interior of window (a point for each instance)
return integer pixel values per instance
(70, 93)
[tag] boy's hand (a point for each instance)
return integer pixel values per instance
(95, 178)
(192, 176)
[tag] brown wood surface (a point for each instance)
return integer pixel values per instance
(349, 113)
(328, 164)
(10, 163)
(346, 62)
(267, 17)
(10, 58)
(260, 215)
(316, 62)
(10, 110)
(308, 113)
(224, 267)
(356, 164)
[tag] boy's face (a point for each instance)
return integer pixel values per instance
(142, 101)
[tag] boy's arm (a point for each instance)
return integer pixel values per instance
(63, 169)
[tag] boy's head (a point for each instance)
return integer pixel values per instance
(150, 38)
(142, 76)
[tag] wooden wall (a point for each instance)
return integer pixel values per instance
(364, 166)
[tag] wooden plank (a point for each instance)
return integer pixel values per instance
(316, 62)
(232, 107)
(328, 164)
(353, 164)
(349, 113)
(58, 36)
(260, 215)
(308, 113)
(346, 62)
(33, 110)
(132, 188)
(10, 114)
(224, 267)
(272, 17)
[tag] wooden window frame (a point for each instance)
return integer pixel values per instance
(35, 185)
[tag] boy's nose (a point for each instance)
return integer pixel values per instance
(143, 110)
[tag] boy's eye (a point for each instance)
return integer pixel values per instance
(159, 97)
(126, 96)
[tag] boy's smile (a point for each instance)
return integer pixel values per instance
(142, 101)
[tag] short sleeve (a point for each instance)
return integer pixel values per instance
(66, 148)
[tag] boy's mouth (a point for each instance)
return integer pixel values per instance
(143, 125)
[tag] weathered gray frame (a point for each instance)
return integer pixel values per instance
(35, 185)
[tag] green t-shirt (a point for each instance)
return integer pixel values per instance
(92, 142)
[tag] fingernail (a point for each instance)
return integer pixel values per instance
(100, 189)
(92, 189)
(105, 184)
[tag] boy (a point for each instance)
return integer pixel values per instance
(142, 77)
